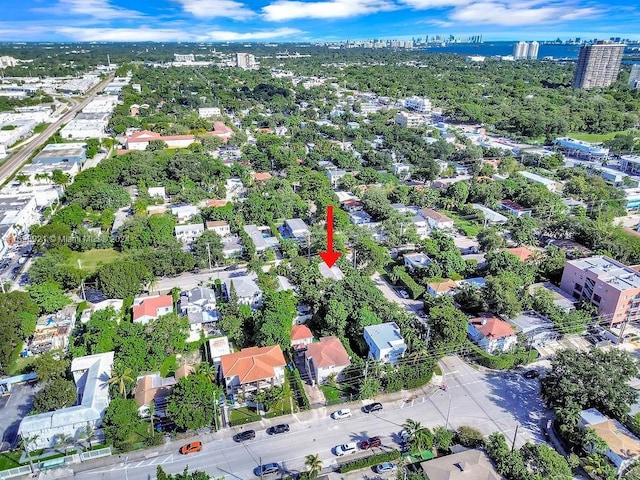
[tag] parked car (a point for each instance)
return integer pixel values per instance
(346, 449)
(343, 413)
(370, 443)
(192, 447)
(385, 467)
(403, 294)
(531, 374)
(282, 428)
(372, 407)
(243, 436)
(266, 469)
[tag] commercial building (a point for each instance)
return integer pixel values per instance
(140, 140)
(409, 120)
(385, 342)
(532, 51)
(188, 57)
(520, 50)
(418, 104)
(82, 128)
(90, 374)
(598, 65)
(632, 198)
(630, 164)
(246, 61)
(609, 285)
(580, 148)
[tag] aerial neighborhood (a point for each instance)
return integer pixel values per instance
(165, 293)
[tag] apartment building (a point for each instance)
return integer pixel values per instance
(611, 286)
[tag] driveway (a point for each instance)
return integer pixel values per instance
(12, 409)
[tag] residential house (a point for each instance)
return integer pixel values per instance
(334, 273)
(246, 288)
(551, 185)
(253, 369)
(199, 305)
(153, 389)
(513, 208)
(492, 334)
(335, 175)
(232, 246)
(261, 177)
(415, 261)
(187, 234)
(220, 227)
(297, 229)
(218, 347)
(523, 253)
(301, 336)
(149, 308)
(490, 217)
(623, 447)
(157, 192)
(184, 212)
(445, 287)
(221, 131)
(352, 205)
(325, 358)
(422, 226)
(608, 284)
(466, 465)
(401, 170)
(385, 342)
(261, 237)
(436, 220)
(359, 217)
(561, 299)
(90, 374)
(538, 329)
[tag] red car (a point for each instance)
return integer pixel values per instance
(192, 447)
(370, 443)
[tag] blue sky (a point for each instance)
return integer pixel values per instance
(312, 20)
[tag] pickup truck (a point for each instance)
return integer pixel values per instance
(370, 443)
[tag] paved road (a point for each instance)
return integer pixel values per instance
(190, 280)
(498, 403)
(412, 306)
(9, 167)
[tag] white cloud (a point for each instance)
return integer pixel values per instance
(518, 14)
(124, 34)
(427, 4)
(217, 8)
(283, 10)
(221, 35)
(96, 9)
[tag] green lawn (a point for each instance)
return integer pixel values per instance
(330, 393)
(21, 365)
(468, 227)
(10, 459)
(242, 415)
(40, 127)
(597, 137)
(91, 259)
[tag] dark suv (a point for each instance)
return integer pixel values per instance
(283, 428)
(372, 407)
(243, 436)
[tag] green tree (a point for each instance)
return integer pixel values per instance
(207, 249)
(448, 327)
(122, 377)
(120, 420)
(442, 438)
(192, 403)
(419, 437)
(469, 436)
(19, 315)
(57, 393)
(48, 296)
(545, 462)
(274, 323)
(47, 367)
(123, 278)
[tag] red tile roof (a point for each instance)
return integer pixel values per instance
(433, 215)
(253, 364)
(328, 352)
(300, 332)
(216, 203)
(144, 136)
(493, 328)
(219, 128)
(261, 176)
(523, 253)
(150, 306)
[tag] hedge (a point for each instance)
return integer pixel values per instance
(414, 289)
(300, 395)
(502, 361)
(369, 461)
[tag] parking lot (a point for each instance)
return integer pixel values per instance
(575, 342)
(13, 408)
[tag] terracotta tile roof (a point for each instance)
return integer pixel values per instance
(436, 216)
(444, 286)
(146, 136)
(216, 203)
(217, 223)
(493, 327)
(328, 352)
(149, 306)
(253, 364)
(219, 128)
(184, 371)
(261, 176)
(152, 387)
(300, 332)
(523, 253)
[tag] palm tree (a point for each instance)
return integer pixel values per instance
(207, 370)
(151, 410)
(314, 464)
(26, 443)
(152, 285)
(62, 443)
(418, 436)
(121, 376)
(592, 442)
(88, 433)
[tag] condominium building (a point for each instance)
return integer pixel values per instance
(245, 61)
(189, 57)
(409, 120)
(634, 76)
(598, 65)
(532, 51)
(520, 50)
(609, 285)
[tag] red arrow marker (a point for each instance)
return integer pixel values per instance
(330, 257)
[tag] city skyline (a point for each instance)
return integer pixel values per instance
(306, 20)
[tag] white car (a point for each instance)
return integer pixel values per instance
(403, 294)
(344, 413)
(346, 449)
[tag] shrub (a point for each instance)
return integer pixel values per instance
(412, 287)
(469, 437)
(369, 461)
(501, 361)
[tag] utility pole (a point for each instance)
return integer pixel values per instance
(261, 475)
(515, 435)
(446, 425)
(209, 254)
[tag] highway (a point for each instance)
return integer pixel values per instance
(15, 161)
(488, 402)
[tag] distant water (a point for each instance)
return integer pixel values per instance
(488, 49)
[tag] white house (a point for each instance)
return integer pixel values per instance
(246, 288)
(385, 342)
(436, 220)
(184, 212)
(301, 336)
(326, 357)
(422, 226)
(140, 140)
(492, 334)
(220, 227)
(623, 446)
(297, 229)
(401, 170)
(90, 374)
(199, 305)
(253, 368)
(415, 261)
(157, 192)
(261, 237)
(208, 112)
(186, 234)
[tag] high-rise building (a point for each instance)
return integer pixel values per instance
(245, 61)
(634, 78)
(520, 50)
(598, 65)
(189, 57)
(532, 50)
